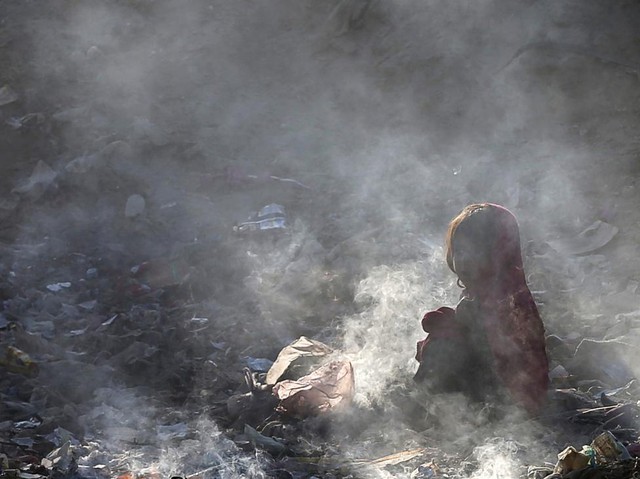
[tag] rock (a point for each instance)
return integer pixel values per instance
(135, 206)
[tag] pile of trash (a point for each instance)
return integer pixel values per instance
(605, 457)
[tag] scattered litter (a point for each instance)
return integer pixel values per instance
(60, 460)
(82, 164)
(235, 175)
(199, 321)
(267, 443)
(23, 441)
(174, 431)
(60, 436)
(19, 362)
(559, 373)
(289, 180)
(31, 423)
(135, 206)
(26, 121)
(395, 459)
(57, 287)
(8, 206)
(110, 321)
(425, 471)
(591, 239)
(608, 449)
(253, 406)
(603, 360)
(261, 365)
(92, 273)
(162, 272)
(93, 52)
(301, 348)
(270, 217)
(88, 305)
(42, 176)
(7, 95)
(571, 460)
(329, 388)
(77, 332)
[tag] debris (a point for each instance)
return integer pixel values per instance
(329, 388)
(109, 321)
(258, 364)
(235, 175)
(289, 180)
(60, 460)
(135, 206)
(559, 373)
(425, 471)
(270, 217)
(571, 460)
(60, 435)
(26, 121)
(608, 449)
(602, 360)
(41, 177)
(8, 206)
(92, 273)
(300, 348)
(396, 458)
(591, 239)
(381, 462)
(267, 443)
(634, 449)
(88, 305)
(19, 362)
(7, 95)
(162, 272)
(57, 287)
(93, 52)
(82, 164)
(174, 431)
(32, 423)
(254, 405)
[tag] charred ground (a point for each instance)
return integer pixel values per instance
(390, 116)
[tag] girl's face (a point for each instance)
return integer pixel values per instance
(471, 259)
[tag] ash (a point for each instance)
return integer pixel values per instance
(188, 187)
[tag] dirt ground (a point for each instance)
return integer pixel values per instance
(372, 123)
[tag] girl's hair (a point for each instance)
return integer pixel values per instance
(492, 228)
(455, 224)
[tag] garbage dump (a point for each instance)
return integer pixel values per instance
(221, 224)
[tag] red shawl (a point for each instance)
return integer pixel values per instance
(507, 313)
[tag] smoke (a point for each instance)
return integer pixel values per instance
(130, 434)
(396, 114)
(381, 339)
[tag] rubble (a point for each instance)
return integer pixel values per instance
(141, 339)
(7, 95)
(302, 347)
(591, 239)
(41, 177)
(135, 206)
(329, 388)
(270, 217)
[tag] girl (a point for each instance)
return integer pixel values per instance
(494, 339)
